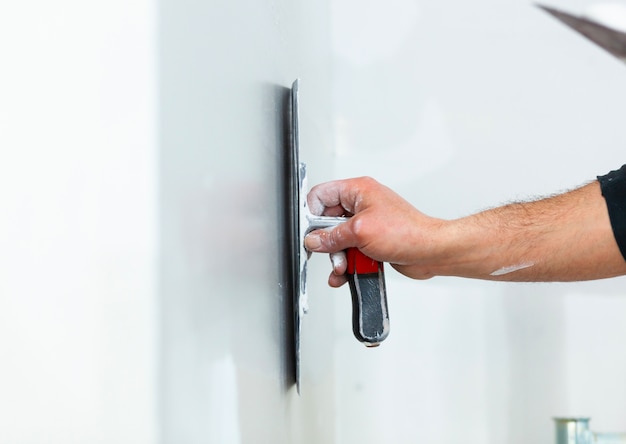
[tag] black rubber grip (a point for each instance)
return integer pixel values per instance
(370, 319)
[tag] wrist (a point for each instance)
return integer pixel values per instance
(464, 249)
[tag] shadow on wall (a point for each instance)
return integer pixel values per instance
(226, 270)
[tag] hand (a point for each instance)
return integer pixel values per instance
(383, 226)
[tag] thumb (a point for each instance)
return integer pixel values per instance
(331, 240)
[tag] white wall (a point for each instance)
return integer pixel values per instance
(460, 106)
(143, 293)
(78, 229)
(226, 368)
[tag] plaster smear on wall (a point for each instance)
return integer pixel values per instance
(511, 268)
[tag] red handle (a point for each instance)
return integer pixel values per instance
(360, 263)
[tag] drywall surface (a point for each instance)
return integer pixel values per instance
(78, 223)
(461, 106)
(143, 287)
(226, 372)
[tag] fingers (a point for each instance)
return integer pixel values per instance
(337, 281)
(325, 199)
(340, 262)
(347, 197)
(331, 240)
(350, 197)
(339, 197)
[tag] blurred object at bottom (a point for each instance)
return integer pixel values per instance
(573, 430)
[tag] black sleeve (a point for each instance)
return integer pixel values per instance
(613, 187)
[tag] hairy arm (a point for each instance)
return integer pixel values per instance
(567, 237)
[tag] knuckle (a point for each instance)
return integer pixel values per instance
(360, 230)
(368, 183)
(367, 180)
(335, 238)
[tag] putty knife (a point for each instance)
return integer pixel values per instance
(370, 319)
(612, 40)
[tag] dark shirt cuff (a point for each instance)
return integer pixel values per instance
(613, 187)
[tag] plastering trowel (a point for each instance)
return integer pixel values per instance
(370, 320)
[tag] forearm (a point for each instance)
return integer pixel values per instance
(562, 238)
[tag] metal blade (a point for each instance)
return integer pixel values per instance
(302, 222)
(610, 39)
(296, 191)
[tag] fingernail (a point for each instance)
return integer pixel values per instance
(312, 241)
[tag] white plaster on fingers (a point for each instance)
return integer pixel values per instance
(339, 262)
